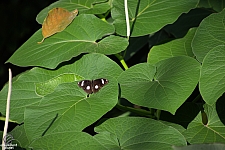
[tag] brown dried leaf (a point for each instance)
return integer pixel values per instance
(56, 21)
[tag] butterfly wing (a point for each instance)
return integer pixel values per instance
(98, 84)
(86, 85)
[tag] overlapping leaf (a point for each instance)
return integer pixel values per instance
(213, 75)
(79, 37)
(148, 16)
(177, 47)
(210, 33)
(164, 86)
(212, 132)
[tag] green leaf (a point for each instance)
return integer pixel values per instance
(79, 37)
(109, 140)
(209, 34)
(67, 140)
(84, 7)
(213, 75)
(142, 133)
(212, 132)
(19, 136)
(47, 87)
(164, 86)
(69, 109)
(147, 17)
(91, 66)
(177, 47)
(175, 126)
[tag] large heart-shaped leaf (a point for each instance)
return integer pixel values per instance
(79, 37)
(142, 133)
(213, 75)
(148, 16)
(164, 86)
(209, 34)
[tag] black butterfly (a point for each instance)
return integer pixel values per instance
(92, 86)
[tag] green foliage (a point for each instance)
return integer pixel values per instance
(79, 37)
(149, 16)
(212, 132)
(212, 75)
(164, 86)
(171, 95)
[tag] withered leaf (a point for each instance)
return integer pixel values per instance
(56, 21)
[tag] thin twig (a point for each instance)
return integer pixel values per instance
(7, 110)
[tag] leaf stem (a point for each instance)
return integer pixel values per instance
(103, 19)
(122, 61)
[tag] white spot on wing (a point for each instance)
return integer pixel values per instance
(82, 83)
(103, 82)
(96, 86)
(88, 87)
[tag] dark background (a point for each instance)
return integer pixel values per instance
(17, 24)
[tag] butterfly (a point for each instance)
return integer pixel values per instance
(92, 86)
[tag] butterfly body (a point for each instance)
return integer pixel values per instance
(92, 86)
